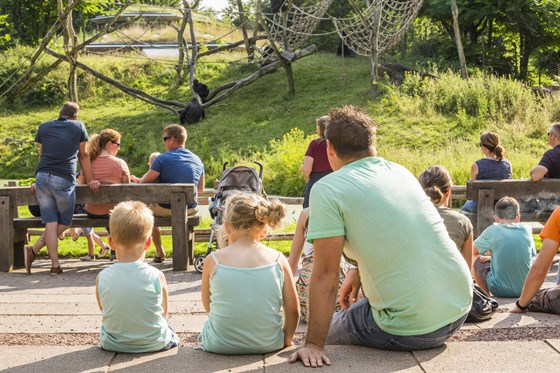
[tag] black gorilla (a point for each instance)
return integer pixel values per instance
(201, 89)
(277, 6)
(192, 113)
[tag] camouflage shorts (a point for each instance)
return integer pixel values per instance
(302, 286)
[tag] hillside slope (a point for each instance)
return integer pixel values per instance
(417, 127)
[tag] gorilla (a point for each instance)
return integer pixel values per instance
(201, 89)
(192, 113)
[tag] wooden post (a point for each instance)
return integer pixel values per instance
(7, 234)
(458, 42)
(485, 210)
(179, 235)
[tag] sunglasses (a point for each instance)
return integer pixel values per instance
(165, 138)
(116, 143)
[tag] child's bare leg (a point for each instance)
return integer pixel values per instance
(99, 241)
(156, 239)
(90, 244)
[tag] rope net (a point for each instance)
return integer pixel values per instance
(292, 28)
(396, 16)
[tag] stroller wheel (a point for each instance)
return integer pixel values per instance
(199, 263)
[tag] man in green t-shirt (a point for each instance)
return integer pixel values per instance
(418, 288)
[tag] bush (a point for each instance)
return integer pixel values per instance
(283, 161)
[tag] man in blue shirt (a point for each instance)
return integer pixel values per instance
(62, 143)
(176, 165)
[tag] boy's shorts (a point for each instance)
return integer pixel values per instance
(57, 198)
(483, 269)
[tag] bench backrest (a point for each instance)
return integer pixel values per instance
(526, 191)
(114, 193)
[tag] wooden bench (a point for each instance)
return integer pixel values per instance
(526, 191)
(13, 229)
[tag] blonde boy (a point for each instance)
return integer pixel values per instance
(511, 246)
(133, 296)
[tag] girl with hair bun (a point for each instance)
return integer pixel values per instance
(492, 167)
(247, 288)
(437, 185)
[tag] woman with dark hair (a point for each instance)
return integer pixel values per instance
(437, 185)
(316, 164)
(492, 167)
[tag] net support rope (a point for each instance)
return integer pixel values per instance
(396, 17)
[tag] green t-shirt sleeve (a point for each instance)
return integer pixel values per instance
(325, 215)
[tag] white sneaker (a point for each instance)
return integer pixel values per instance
(87, 258)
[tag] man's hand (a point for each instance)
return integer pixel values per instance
(33, 187)
(311, 356)
(94, 185)
(348, 294)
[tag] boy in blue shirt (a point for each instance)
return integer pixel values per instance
(511, 248)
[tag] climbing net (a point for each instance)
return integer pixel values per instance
(292, 28)
(395, 18)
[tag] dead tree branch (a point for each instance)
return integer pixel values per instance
(234, 86)
(141, 95)
(222, 48)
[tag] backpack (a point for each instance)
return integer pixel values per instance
(483, 305)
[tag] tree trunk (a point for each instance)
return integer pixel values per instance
(458, 42)
(525, 49)
(374, 53)
(183, 46)
(243, 20)
(282, 61)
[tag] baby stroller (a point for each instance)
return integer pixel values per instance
(238, 178)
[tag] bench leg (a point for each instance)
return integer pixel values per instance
(20, 240)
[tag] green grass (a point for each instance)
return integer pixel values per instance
(420, 123)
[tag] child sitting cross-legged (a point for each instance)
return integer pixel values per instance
(247, 287)
(133, 296)
(511, 249)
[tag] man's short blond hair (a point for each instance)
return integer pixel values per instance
(131, 223)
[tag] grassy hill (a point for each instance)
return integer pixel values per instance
(419, 124)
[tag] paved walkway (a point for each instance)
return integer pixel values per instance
(38, 307)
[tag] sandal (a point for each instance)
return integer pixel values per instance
(158, 259)
(55, 271)
(87, 258)
(103, 252)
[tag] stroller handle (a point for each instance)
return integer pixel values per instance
(260, 168)
(225, 166)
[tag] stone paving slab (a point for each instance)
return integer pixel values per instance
(86, 306)
(50, 324)
(517, 356)
(517, 320)
(59, 359)
(348, 359)
(537, 356)
(555, 343)
(187, 360)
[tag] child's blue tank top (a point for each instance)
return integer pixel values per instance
(245, 310)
